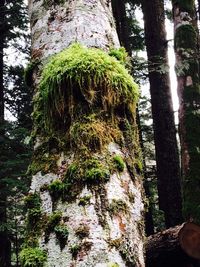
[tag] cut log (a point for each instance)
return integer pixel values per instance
(165, 250)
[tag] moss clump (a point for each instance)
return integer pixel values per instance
(95, 171)
(56, 189)
(82, 231)
(118, 206)
(120, 54)
(113, 264)
(93, 133)
(53, 221)
(32, 200)
(62, 234)
(88, 77)
(83, 201)
(32, 257)
(185, 37)
(74, 249)
(119, 163)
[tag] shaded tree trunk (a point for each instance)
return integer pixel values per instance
(167, 159)
(187, 70)
(5, 247)
(101, 209)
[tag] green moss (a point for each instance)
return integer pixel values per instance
(56, 189)
(53, 221)
(32, 200)
(83, 201)
(93, 133)
(74, 249)
(113, 264)
(185, 5)
(87, 76)
(119, 163)
(95, 171)
(120, 54)
(62, 234)
(185, 37)
(118, 206)
(82, 231)
(32, 257)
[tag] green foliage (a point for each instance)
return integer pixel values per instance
(74, 249)
(83, 201)
(86, 75)
(53, 221)
(32, 200)
(119, 162)
(62, 234)
(56, 189)
(32, 257)
(95, 172)
(120, 54)
(113, 264)
(93, 133)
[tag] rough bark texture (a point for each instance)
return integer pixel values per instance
(163, 250)
(167, 159)
(4, 240)
(104, 220)
(187, 69)
(124, 31)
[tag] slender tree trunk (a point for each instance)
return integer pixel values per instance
(104, 219)
(5, 248)
(187, 70)
(167, 158)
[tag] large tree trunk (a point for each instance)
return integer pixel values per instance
(102, 209)
(187, 70)
(167, 159)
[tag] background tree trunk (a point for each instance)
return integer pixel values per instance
(167, 159)
(187, 70)
(104, 220)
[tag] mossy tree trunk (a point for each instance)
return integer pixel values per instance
(187, 70)
(85, 207)
(167, 159)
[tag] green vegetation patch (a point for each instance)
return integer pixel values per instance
(86, 76)
(119, 163)
(32, 257)
(62, 234)
(117, 206)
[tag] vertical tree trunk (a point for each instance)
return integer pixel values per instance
(86, 174)
(187, 70)
(4, 240)
(167, 158)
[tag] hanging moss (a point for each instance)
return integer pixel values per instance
(74, 249)
(62, 234)
(93, 133)
(86, 76)
(32, 257)
(82, 231)
(120, 54)
(120, 165)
